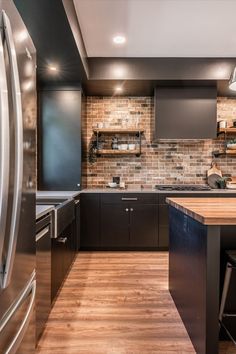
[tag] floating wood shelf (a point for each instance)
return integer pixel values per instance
(218, 153)
(138, 132)
(118, 131)
(118, 152)
(230, 152)
(229, 131)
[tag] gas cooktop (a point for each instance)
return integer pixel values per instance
(182, 187)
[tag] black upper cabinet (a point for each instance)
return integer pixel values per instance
(60, 139)
(185, 112)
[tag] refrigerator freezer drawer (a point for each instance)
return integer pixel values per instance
(17, 328)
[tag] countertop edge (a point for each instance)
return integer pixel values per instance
(205, 220)
(44, 209)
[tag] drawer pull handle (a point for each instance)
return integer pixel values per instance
(42, 233)
(131, 209)
(62, 239)
(129, 198)
(126, 209)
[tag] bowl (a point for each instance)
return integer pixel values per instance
(123, 146)
(231, 185)
(231, 146)
(131, 146)
(112, 184)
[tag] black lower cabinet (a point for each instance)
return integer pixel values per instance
(114, 226)
(63, 252)
(163, 226)
(143, 225)
(128, 221)
(90, 221)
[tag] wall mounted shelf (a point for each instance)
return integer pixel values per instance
(227, 131)
(118, 131)
(118, 152)
(138, 132)
(231, 153)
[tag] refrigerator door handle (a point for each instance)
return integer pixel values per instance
(29, 290)
(18, 179)
(4, 147)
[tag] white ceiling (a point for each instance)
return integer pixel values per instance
(158, 28)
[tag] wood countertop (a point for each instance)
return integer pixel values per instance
(208, 211)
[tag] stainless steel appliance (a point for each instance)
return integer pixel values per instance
(182, 187)
(17, 183)
(43, 266)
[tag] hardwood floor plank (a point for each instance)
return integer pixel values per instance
(117, 303)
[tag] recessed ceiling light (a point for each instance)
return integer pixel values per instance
(119, 89)
(53, 68)
(119, 39)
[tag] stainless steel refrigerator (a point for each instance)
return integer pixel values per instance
(17, 183)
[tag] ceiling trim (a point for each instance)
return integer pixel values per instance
(75, 28)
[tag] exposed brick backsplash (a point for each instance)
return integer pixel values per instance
(161, 162)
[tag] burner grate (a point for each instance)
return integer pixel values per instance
(182, 187)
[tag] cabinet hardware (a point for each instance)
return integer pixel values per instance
(131, 209)
(126, 209)
(62, 239)
(129, 198)
(42, 233)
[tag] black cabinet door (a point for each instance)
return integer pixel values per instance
(114, 226)
(90, 221)
(163, 226)
(143, 225)
(57, 270)
(60, 139)
(77, 225)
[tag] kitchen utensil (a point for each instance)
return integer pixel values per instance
(214, 175)
(114, 144)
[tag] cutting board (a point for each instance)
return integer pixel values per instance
(214, 174)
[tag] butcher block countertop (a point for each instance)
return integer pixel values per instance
(208, 211)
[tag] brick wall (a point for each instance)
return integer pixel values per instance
(163, 162)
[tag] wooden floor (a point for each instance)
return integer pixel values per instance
(117, 303)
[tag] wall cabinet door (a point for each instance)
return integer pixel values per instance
(90, 221)
(60, 139)
(115, 226)
(143, 225)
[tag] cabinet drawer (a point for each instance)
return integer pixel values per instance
(143, 198)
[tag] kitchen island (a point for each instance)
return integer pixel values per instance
(194, 264)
